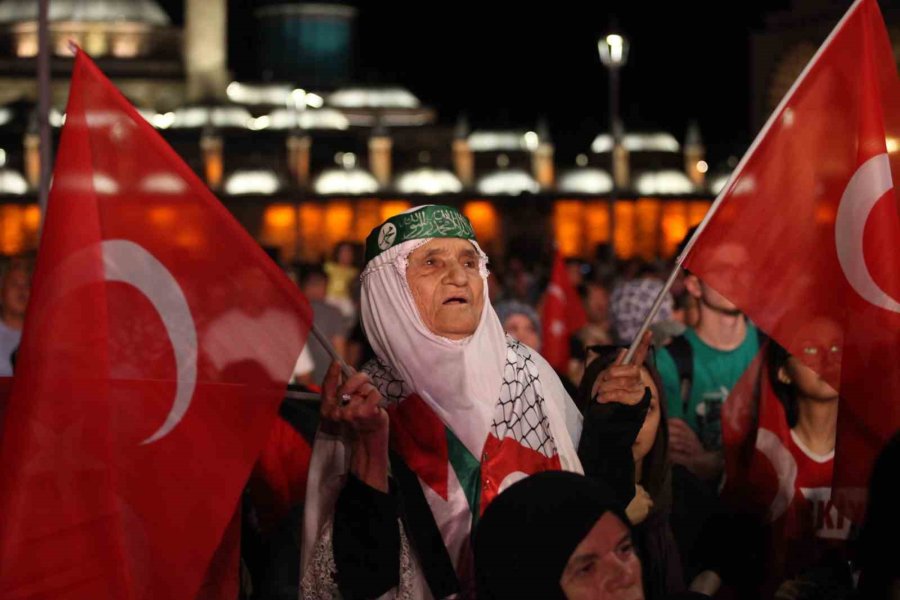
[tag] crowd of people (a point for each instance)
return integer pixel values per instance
(455, 462)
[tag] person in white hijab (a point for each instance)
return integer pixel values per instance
(413, 448)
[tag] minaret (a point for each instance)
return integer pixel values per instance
(213, 164)
(205, 49)
(32, 148)
(463, 160)
(621, 171)
(298, 147)
(695, 155)
(542, 158)
(380, 146)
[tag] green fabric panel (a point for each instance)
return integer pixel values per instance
(468, 471)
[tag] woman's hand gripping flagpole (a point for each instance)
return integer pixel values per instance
(357, 406)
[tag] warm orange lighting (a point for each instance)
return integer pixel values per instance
(338, 222)
(32, 218)
(279, 217)
(624, 233)
(674, 226)
(390, 208)
(368, 217)
(485, 221)
(162, 216)
(312, 221)
(32, 159)
(213, 167)
(280, 228)
(596, 225)
(646, 227)
(568, 223)
(697, 210)
(12, 233)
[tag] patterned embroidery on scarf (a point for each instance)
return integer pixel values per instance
(520, 412)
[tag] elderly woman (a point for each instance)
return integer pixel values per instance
(415, 447)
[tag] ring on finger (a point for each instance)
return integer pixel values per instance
(345, 399)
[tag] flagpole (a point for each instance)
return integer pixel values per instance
(326, 344)
(629, 356)
(303, 396)
(43, 72)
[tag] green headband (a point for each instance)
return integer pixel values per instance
(432, 221)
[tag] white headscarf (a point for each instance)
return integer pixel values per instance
(459, 379)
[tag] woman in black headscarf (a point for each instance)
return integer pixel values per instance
(626, 446)
(556, 535)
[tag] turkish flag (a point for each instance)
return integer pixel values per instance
(754, 437)
(805, 238)
(760, 474)
(155, 353)
(562, 315)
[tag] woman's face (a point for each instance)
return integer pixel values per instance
(809, 383)
(345, 254)
(444, 277)
(604, 566)
(647, 435)
(522, 328)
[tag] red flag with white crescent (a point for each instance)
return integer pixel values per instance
(562, 315)
(805, 238)
(155, 353)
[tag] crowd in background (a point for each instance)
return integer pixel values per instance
(693, 533)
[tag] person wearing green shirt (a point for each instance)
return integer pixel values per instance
(719, 348)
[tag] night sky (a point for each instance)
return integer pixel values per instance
(507, 65)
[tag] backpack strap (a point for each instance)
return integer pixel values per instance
(423, 532)
(683, 355)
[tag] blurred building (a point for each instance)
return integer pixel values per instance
(787, 41)
(305, 157)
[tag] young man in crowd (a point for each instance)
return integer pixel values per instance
(698, 370)
(314, 283)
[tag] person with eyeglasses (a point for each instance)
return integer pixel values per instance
(812, 550)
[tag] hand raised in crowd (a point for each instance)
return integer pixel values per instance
(685, 449)
(356, 405)
(620, 382)
(639, 507)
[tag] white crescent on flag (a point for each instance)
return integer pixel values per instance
(870, 182)
(127, 262)
(785, 469)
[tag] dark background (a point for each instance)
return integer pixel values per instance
(508, 64)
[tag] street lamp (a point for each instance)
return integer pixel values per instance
(613, 49)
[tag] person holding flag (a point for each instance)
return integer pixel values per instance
(809, 220)
(469, 411)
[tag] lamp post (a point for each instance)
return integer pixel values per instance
(613, 50)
